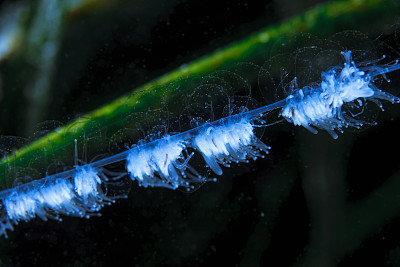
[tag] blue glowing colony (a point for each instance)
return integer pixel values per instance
(165, 162)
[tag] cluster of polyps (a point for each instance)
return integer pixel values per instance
(226, 143)
(158, 164)
(165, 162)
(321, 105)
(48, 198)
